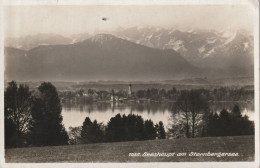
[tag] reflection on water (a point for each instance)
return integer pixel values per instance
(74, 113)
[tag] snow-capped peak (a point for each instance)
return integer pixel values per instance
(230, 38)
(192, 31)
(74, 40)
(101, 38)
(171, 30)
(227, 33)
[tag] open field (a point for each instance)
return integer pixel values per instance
(119, 152)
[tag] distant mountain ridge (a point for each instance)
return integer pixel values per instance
(32, 41)
(204, 48)
(228, 52)
(102, 57)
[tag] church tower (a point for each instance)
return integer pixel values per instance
(130, 90)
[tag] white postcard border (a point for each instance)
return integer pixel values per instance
(253, 3)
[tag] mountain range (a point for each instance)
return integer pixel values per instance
(223, 53)
(227, 52)
(32, 41)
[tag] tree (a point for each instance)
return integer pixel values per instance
(162, 93)
(139, 128)
(148, 93)
(85, 130)
(125, 128)
(240, 125)
(96, 133)
(11, 139)
(236, 112)
(133, 127)
(191, 104)
(247, 127)
(161, 131)
(91, 91)
(212, 125)
(115, 130)
(140, 94)
(225, 122)
(149, 130)
(46, 126)
(91, 131)
(75, 135)
(17, 109)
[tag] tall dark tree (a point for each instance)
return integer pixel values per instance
(139, 128)
(96, 133)
(240, 124)
(161, 131)
(225, 121)
(125, 128)
(236, 112)
(46, 126)
(11, 138)
(212, 125)
(133, 127)
(85, 130)
(247, 127)
(149, 130)
(115, 129)
(91, 131)
(17, 109)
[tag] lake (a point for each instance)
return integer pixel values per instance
(74, 113)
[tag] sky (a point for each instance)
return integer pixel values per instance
(68, 20)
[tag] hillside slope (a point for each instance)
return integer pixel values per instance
(119, 151)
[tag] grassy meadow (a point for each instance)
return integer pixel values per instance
(119, 151)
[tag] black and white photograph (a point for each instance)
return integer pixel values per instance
(130, 83)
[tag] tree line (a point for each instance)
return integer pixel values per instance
(228, 124)
(119, 128)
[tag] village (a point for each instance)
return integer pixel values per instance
(131, 94)
(92, 95)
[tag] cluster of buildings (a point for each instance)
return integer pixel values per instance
(101, 95)
(115, 98)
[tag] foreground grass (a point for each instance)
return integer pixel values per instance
(119, 151)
